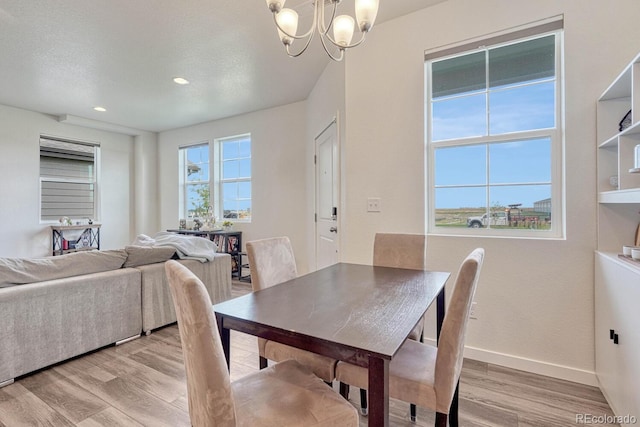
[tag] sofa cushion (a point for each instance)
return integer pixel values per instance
(18, 271)
(143, 255)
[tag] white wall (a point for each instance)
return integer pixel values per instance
(146, 183)
(535, 298)
(21, 233)
(278, 172)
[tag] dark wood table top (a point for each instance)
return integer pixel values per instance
(359, 309)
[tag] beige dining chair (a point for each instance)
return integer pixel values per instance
(420, 373)
(286, 394)
(271, 262)
(402, 251)
(399, 251)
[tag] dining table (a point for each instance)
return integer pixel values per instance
(360, 314)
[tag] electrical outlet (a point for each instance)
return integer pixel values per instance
(373, 204)
(473, 314)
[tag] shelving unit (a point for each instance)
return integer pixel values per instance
(73, 238)
(618, 206)
(615, 147)
(617, 280)
(228, 242)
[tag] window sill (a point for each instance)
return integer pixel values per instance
(491, 234)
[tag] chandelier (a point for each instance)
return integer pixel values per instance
(286, 21)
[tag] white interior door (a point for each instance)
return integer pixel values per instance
(327, 197)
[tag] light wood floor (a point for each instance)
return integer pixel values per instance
(142, 383)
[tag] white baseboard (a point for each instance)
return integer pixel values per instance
(5, 383)
(529, 365)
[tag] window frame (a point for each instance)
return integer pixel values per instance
(216, 179)
(220, 180)
(94, 180)
(556, 136)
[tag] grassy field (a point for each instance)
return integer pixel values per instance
(527, 218)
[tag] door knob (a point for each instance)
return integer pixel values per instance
(333, 229)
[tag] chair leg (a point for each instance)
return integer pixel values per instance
(453, 410)
(344, 390)
(363, 402)
(263, 362)
(412, 409)
(441, 419)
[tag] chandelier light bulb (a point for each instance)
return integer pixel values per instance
(287, 20)
(343, 27)
(366, 12)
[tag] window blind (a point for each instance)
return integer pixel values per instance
(67, 175)
(552, 24)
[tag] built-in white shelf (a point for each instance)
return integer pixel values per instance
(616, 166)
(617, 337)
(613, 141)
(631, 130)
(620, 196)
(621, 260)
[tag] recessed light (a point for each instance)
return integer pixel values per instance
(101, 109)
(181, 81)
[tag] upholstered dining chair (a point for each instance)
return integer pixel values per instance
(399, 251)
(425, 375)
(286, 394)
(271, 262)
(402, 251)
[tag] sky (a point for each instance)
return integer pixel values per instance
(516, 171)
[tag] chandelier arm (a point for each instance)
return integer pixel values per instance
(295, 55)
(324, 46)
(321, 28)
(293, 36)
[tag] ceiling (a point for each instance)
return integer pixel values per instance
(66, 57)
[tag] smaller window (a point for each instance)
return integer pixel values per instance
(196, 193)
(67, 179)
(235, 177)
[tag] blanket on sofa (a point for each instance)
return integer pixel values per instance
(186, 246)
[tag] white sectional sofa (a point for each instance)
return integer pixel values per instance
(55, 308)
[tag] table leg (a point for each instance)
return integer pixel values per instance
(225, 338)
(440, 310)
(378, 392)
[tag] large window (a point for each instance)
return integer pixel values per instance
(216, 179)
(67, 179)
(494, 138)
